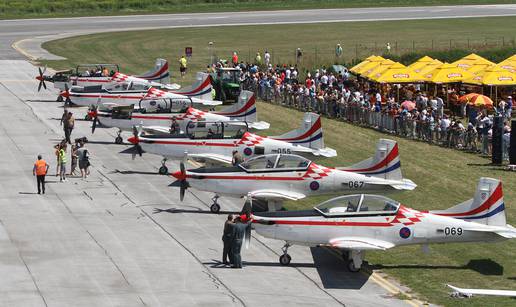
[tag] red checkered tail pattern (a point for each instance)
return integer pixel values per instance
(486, 207)
(160, 73)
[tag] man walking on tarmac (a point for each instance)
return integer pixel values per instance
(40, 170)
(238, 234)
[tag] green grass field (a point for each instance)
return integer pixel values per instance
(444, 177)
(65, 8)
(136, 51)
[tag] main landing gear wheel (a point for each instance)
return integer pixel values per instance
(59, 98)
(285, 259)
(119, 140)
(163, 170)
(215, 208)
(351, 267)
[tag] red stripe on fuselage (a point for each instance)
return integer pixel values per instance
(391, 156)
(187, 143)
(495, 197)
(111, 96)
(232, 177)
(312, 130)
(331, 223)
(156, 117)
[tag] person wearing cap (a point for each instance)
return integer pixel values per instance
(39, 170)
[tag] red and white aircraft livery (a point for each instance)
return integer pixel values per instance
(167, 112)
(356, 223)
(95, 74)
(216, 142)
(276, 177)
(130, 93)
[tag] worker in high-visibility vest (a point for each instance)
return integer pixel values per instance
(62, 163)
(40, 170)
(182, 66)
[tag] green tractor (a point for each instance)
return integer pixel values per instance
(226, 82)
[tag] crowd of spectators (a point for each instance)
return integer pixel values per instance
(432, 114)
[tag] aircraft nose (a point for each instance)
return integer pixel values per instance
(133, 140)
(65, 94)
(179, 175)
(39, 78)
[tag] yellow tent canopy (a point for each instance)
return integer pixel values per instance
(398, 73)
(478, 68)
(367, 60)
(371, 64)
(449, 73)
(422, 62)
(470, 60)
(508, 64)
(494, 76)
(512, 58)
(429, 67)
(378, 70)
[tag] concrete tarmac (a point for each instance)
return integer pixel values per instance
(123, 238)
(31, 33)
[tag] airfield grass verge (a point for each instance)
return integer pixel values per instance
(445, 177)
(67, 8)
(135, 51)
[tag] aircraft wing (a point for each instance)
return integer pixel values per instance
(470, 292)
(214, 158)
(360, 243)
(282, 194)
(507, 232)
(206, 102)
(261, 125)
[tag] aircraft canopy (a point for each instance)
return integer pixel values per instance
(358, 203)
(277, 162)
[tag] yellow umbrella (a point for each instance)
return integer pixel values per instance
(371, 64)
(422, 62)
(398, 73)
(479, 67)
(425, 70)
(508, 64)
(512, 58)
(497, 76)
(449, 73)
(364, 62)
(470, 60)
(378, 70)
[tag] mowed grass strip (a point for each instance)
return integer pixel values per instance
(135, 51)
(445, 177)
(66, 8)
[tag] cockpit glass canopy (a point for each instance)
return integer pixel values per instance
(276, 161)
(358, 203)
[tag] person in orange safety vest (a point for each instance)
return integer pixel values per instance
(40, 170)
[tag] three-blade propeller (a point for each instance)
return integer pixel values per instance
(41, 78)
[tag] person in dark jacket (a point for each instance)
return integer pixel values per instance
(226, 239)
(239, 229)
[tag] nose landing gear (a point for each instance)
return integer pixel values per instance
(118, 139)
(163, 170)
(215, 207)
(285, 258)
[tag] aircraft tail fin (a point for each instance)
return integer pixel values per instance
(308, 135)
(160, 73)
(200, 89)
(384, 164)
(244, 109)
(486, 207)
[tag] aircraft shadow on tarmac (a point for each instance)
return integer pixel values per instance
(482, 266)
(195, 211)
(331, 270)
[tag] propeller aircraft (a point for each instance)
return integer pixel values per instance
(277, 177)
(361, 222)
(129, 92)
(215, 142)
